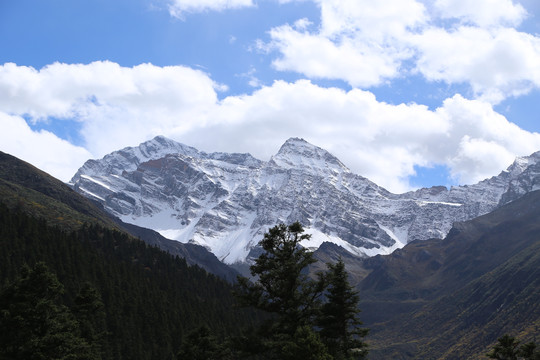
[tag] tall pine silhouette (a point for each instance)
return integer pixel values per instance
(338, 319)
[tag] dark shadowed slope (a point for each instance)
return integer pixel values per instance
(452, 298)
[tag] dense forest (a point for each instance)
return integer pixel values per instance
(151, 299)
(97, 293)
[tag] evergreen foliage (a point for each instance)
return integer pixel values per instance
(89, 311)
(150, 299)
(200, 344)
(507, 348)
(34, 324)
(338, 318)
(299, 326)
(529, 351)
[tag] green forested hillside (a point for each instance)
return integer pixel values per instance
(33, 191)
(151, 299)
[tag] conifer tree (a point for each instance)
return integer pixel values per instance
(33, 324)
(90, 313)
(200, 344)
(306, 344)
(284, 290)
(507, 348)
(529, 351)
(338, 319)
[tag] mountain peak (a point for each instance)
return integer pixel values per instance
(523, 162)
(161, 146)
(296, 140)
(129, 158)
(295, 144)
(298, 153)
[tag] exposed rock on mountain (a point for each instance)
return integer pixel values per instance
(226, 202)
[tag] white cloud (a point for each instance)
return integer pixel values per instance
(482, 12)
(252, 80)
(356, 41)
(41, 148)
(130, 104)
(374, 20)
(482, 142)
(381, 141)
(119, 106)
(497, 63)
(178, 8)
(367, 43)
(360, 64)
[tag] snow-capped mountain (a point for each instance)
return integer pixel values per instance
(226, 202)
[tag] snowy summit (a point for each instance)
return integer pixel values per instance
(226, 202)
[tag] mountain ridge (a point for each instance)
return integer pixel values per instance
(226, 202)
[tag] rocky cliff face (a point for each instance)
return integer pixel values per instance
(226, 202)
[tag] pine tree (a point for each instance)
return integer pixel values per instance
(306, 344)
(200, 344)
(33, 324)
(507, 348)
(529, 351)
(90, 313)
(338, 319)
(284, 290)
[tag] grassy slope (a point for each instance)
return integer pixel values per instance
(452, 299)
(35, 192)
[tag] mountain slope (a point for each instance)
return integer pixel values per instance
(452, 298)
(151, 299)
(226, 202)
(28, 189)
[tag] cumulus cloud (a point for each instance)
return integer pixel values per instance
(368, 43)
(375, 20)
(318, 57)
(131, 103)
(43, 149)
(497, 63)
(482, 141)
(178, 8)
(356, 41)
(381, 141)
(482, 12)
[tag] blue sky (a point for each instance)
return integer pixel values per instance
(408, 93)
